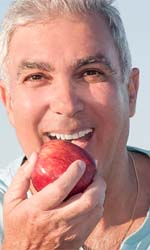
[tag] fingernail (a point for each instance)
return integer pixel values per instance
(82, 165)
(96, 162)
(32, 158)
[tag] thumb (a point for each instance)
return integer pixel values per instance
(21, 182)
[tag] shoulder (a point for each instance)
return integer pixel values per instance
(140, 151)
(141, 227)
(142, 163)
(7, 173)
(139, 238)
(142, 158)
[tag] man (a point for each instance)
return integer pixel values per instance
(66, 70)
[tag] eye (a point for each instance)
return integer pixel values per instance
(36, 79)
(93, 76)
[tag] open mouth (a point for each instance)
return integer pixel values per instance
(83, 135)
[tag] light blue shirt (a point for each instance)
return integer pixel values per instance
(140, 240)
(6, 176)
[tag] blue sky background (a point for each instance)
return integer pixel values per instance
(136, 19)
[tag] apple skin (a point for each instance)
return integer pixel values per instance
(53, 160)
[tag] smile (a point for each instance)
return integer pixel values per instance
(74, 136)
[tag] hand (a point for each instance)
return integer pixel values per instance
(45, 221)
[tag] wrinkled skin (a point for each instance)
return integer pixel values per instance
(67, 94)
(49, 223)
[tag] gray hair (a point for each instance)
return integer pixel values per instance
(22, 12)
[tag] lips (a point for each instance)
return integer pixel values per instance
(79, 137)
(72, 136)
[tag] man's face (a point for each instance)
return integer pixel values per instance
(65, 82)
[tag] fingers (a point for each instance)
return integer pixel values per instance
(53, 194)
(94, 196)
(21, 182)
(89, 222)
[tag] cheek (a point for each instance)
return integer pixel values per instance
(104, 98)
(27, 111)
(26, 107)
(111, 107)
(110, 112)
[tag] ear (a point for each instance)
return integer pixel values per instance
(133, 86)
(7, 101)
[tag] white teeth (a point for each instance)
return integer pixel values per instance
(71, 136)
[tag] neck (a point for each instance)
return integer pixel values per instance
(121, 183)
(120, 205)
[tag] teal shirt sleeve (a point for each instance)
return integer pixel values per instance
(140, 240)
(6, 176)
(1, 218)
(3, 188)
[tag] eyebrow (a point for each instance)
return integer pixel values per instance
(98, 58)
(26, 65)
(43, 66)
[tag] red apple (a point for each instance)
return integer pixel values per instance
(53, 160)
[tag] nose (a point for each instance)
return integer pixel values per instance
(66, 100)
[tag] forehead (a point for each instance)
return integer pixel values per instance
(63, 38)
